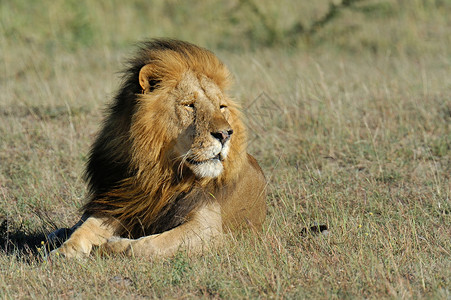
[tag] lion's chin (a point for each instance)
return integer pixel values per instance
(208, 169)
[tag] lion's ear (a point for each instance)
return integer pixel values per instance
(147, 78)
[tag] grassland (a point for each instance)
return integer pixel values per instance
(352, 126)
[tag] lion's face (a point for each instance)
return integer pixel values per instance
(184, 120)
(206, 133)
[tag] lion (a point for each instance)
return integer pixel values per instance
(169, 169)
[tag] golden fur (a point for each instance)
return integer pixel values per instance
(169, 167)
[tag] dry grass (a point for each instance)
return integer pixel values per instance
(358, 142)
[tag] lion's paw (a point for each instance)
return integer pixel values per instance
(70, 250)
(142, 247)
(117, 245)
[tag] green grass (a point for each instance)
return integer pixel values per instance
(352, 127)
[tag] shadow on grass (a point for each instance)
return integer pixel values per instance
(18, 241)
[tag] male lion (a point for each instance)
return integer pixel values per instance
(169, 168)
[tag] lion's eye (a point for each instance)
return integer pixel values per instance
(221, 107)
(189, 105)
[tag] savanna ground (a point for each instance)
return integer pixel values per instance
(349, 108)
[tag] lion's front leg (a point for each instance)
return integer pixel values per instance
(92, 232)
(202, 228)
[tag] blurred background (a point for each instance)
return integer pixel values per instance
(407, 26)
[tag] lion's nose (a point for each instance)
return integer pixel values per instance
(222, 135)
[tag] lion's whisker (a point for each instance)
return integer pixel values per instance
(182, 162)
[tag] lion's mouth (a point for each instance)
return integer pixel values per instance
(218, 157)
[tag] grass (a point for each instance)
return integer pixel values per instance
(352, 127)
